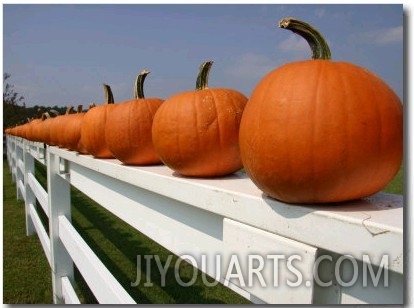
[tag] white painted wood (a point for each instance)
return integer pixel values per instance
(37, 150)
(284, 264)
(20, 165)
(20, 189)
(68, 291)
(224, 216)
(29, 196)
(39, 192)
(59, 204)
(104, 286)
(19, 171)
(376, 221)
(389, 289)
(41, 232)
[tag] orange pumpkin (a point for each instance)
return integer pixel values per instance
(80, 147)
(93, 127)
(44, 132)
(196, 132)
(320, 131)
(59, 127)
(129, 127)
(37, 128)
(71, 130)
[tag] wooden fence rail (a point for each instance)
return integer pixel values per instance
(265, 250)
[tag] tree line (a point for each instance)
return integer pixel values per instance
(15, 111)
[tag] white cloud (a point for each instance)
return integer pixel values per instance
(319, 12)
(250, 66)
(391, 35)
(294, 43)
(384, 37)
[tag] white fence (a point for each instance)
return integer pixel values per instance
(265, 250)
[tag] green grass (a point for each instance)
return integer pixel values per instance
(396, 186)
(117, 245)
(26, 272)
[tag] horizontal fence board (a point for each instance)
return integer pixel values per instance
(39, 192)
(102, 283)
(377, 221)
(221, 216)
(20, 165)
(41, 232)
(22, 188)
(68, 291)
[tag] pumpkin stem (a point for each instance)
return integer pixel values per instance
(318, 44)
(80, 108)
(45, 116)
(139, 84)
(109, 97)
(69, 109)
(202, 77)
(56, 113)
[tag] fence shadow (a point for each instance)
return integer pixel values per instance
(124, 245)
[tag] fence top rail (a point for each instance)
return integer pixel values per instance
(377, 221)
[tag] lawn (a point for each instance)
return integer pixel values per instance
(26, 272)
(27, 277)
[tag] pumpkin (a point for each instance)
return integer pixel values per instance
(56, 126)
(93, 127)
(57, 130)
(71, 130)
(129, 127)
(80, 147)
(195, 133)
(318, 131)
(29, 128)
(38, 127)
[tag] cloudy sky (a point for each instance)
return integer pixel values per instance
(61, 54)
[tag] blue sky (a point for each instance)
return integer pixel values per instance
(61, 54)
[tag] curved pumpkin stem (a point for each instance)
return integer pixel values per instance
(318, 44)
(109, 97)
(79, 109)
(45, 115)
(69, 109)
(202, 77)
(53, 111)
(139, 84)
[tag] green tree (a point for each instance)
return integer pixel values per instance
(13, 112)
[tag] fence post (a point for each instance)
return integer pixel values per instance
(30, 197)
(19, 176)
(12, 150)
(8, 150)
(59, 204)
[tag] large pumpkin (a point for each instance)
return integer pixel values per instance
(129, 127)
(93, 127)
(196, 132)
(320, 131)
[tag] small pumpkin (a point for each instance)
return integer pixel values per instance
(71, 130)
(196, 132)
(46, 124)
(318, 131)
(38, 127)
(93, 127)
(129, 127)
(57, 128)
(54, 128)
(80, 147)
